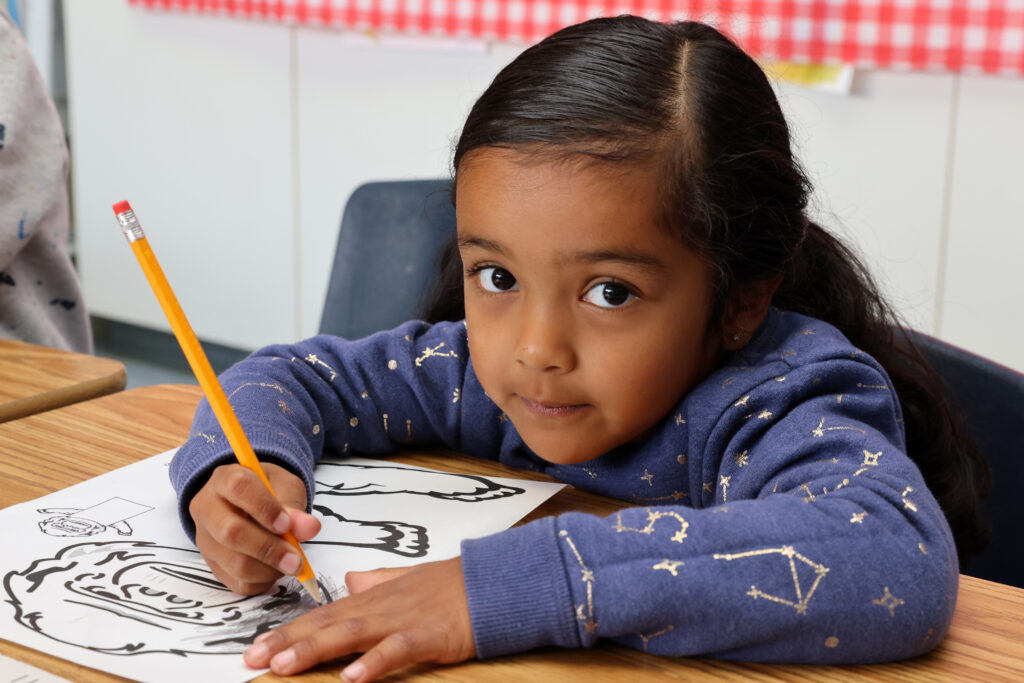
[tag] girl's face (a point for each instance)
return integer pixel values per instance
(587, 320)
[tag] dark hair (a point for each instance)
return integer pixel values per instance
(626, 89)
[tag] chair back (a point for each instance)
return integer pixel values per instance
(390, 238)
(992, 398)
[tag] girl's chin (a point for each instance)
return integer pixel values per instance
(561, 455)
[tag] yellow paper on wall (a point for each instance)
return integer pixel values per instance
(834, 78)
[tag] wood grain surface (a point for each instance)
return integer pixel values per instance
(47, 452)
(38, 378)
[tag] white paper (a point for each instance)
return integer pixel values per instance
(102, 574)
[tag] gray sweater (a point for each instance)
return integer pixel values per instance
(40, 296)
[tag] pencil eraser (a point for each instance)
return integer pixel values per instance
(121, 207)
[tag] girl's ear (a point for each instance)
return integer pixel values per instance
(747, 307)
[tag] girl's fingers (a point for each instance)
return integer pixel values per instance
(304, 525)
(394, 652)
(244, 552)
(237, 585)
(245, 490)
(316, 637)
(413, 615)
(245, 546)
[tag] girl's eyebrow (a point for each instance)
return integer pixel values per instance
(627, 257)
(482, 243)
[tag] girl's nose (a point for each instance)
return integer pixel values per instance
(545, 342)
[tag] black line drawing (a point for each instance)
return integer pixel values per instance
(408, 540)
(136, 597)
(400, 538)
(110, 514)
(131, 597)
(346, 479)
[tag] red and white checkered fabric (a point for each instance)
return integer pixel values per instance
(952, 35)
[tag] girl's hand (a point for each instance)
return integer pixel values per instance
(395, 616)
(239, 525)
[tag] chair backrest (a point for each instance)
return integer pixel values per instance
(385, 260)
(992, 398)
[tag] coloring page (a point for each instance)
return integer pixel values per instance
(102, 574)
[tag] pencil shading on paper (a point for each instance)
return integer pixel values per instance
(134, 597)
(113, 513)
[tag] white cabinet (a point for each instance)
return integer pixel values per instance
(985, 274)
(238, 143)
(189, 120)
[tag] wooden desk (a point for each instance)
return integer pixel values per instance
(34, 378)
(44, 453)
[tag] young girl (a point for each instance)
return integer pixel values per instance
(648, 315)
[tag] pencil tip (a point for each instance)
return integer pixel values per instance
(313, 589)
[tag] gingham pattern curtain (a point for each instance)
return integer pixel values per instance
(974, 36)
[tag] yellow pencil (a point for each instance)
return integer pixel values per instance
(201, 367)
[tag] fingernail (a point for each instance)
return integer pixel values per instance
(282, 523)
(283, 660)
(354, 672)
(290, 564)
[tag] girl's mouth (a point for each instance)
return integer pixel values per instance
(551, 410)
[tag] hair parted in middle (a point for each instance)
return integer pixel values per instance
(684, 97)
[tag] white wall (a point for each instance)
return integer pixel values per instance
(238, 143)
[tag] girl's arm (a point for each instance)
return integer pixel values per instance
(392, 390)
(812, 538)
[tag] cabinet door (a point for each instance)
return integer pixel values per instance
(383, 108)
(188, 118)
(878, 160)
(985, 280)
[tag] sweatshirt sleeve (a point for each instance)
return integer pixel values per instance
(395, 389)
(811, 538)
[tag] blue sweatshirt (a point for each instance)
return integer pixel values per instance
(777, 516)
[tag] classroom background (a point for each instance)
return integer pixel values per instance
(238, 137)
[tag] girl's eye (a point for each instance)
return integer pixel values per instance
(494, 279)
(609, 295)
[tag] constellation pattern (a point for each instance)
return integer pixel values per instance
(652, 518)
(646, 639)
(314, 361)
(792, 556)
(433, 352)
(266, 385)
(668, 565)
(589, 623)
(675, 497)
(820, 430)
(907, 503)
(889, 601)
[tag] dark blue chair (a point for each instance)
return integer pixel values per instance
(992, 399)
(390, 238)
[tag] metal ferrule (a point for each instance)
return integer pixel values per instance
(130, 226)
